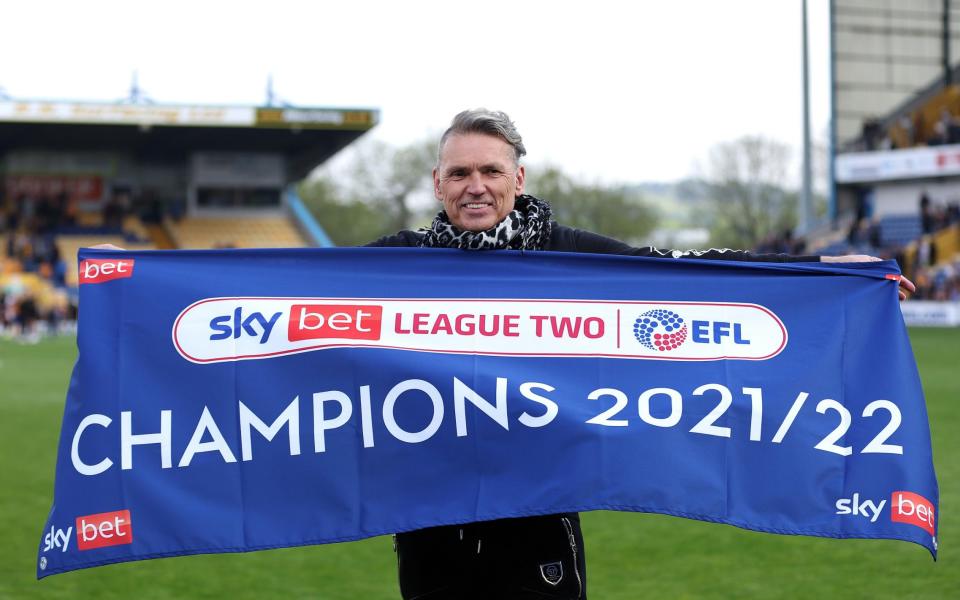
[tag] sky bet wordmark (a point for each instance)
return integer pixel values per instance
(99, 271)
(251, 399)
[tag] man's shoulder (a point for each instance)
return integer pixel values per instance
(403, 238)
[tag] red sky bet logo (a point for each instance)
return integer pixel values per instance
(95, 270)
(338, 321)
(913, 509)
(104, 529)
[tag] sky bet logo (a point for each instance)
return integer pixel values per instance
(235, 325)
(913, 509)
(905, 507)
(101, 270)
(228, 329)
(57, 539)
(307, 322)
(343, 321)
(104, 529)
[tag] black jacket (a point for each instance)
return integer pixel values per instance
(509, 558)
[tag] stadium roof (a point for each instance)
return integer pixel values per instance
(305, 135)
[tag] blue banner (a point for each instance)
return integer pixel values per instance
(237, 400)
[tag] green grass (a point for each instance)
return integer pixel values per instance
(630, 555)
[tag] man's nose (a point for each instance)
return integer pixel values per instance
(475, 184)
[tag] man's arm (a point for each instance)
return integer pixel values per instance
(585, 241)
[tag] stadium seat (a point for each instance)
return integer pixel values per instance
(899, 230)
(236, 232)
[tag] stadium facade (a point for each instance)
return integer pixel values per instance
(162, 161)
(895, 134)
(143, 176)
(896, 103)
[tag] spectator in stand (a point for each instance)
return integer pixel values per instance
(953, 213)
(906, 124)
(926, 253)
(940, 283)
(27, 316)
(926, 213)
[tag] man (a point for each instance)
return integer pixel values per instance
(480, 183)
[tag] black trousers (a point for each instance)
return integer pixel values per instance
(508, 559)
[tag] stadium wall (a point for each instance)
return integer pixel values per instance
(926, 313)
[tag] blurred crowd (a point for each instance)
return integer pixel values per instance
(910, 131)
(782, 243)
(941, 283)
(33, 296)
(937, 278)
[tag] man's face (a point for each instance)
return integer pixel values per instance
(477, 180)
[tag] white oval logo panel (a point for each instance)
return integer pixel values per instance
(225, 329)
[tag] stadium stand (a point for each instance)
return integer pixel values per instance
(898, 230)
(235, 232)
(933, 123)
(148, 176)
(896, 137)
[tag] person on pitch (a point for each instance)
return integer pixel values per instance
(480, 182)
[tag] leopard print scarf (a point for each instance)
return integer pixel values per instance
(527, 227)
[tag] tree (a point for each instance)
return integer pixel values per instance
(373, 191)
(747, 189)
(610, 211)
(347, 222)
(392, 178)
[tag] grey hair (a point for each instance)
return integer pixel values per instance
(489, 122)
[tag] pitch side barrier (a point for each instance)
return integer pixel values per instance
(930, 313)
(238, 400)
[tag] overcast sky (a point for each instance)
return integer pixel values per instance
(610, 90)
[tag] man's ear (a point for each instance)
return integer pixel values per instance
(521, 179)
(436, 184)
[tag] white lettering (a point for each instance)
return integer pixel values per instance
(290, 416)
(128, 440)
(216, 444)
(391, 422)
(526, 390)
(78, 464)
(854, 507)
(320, 424)
(366, 419)
(462, 393)
(676, 407)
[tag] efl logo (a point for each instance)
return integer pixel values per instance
(104, 529)
(699, 330)
(660, 330)
(99, 270)
(913, 509)
(334, 321)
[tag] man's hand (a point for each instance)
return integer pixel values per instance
(905, 284)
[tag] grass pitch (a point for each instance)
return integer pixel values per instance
(630, 555)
